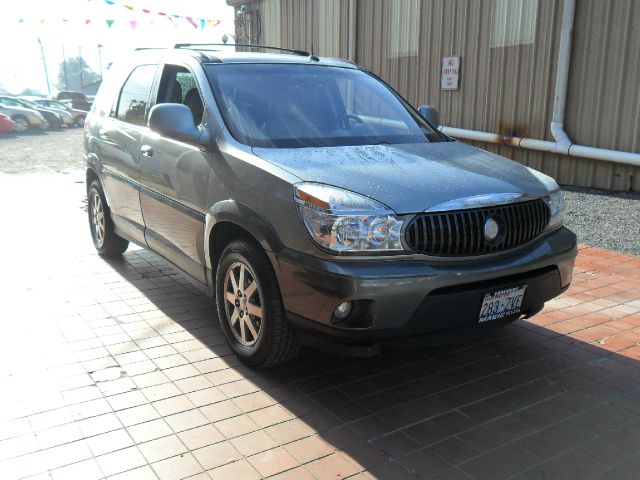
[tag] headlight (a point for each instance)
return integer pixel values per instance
(555, 202)
(345, 222)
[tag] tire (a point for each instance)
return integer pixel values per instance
(22, 124)
(79, 121)
(106, 241)
(252, 317)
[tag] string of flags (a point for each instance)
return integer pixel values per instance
(195, 22)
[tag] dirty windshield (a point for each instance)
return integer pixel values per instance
(287, 106)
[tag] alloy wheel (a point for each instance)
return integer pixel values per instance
(21, 125)
(97, 218)
(243, 305)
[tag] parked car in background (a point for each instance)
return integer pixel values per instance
(6, 124)
(54, 120)
(77, 100)
(316, 204)
(78, 116)
(23, 118)
(68, 119)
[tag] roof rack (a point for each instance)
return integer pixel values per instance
(247, 45)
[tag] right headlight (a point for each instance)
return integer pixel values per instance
(346, 222)
(555, 202)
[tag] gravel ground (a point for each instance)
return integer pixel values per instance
(603, 219)
(41, 152)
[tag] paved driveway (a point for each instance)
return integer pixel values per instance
(117, 369)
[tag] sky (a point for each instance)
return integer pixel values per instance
(23, 22)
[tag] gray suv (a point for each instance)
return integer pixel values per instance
(315, 204)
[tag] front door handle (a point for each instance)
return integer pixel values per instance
(103, 133)
(146, 150)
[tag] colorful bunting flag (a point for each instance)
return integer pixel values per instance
(195, 22)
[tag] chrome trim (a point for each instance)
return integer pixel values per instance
(480, 201)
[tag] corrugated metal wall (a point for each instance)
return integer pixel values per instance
(506, 89)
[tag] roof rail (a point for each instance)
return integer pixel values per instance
(247, 45)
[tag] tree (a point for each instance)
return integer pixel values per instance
(31, 91)
(78, 74)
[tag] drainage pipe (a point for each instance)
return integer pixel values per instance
(352, 31)
(562, 144)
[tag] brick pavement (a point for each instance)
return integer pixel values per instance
(115, 369)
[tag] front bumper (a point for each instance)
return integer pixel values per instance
(411, 297)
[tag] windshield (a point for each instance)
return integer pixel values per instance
(28, 103)
(285, 106)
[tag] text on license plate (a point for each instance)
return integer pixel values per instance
(501, 304)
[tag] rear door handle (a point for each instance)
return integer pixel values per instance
(103, 133)
(146, 150)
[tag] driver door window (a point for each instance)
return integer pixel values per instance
(178, 85)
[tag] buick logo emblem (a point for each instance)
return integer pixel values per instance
(491, 229)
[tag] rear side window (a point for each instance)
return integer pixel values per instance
(134, 95)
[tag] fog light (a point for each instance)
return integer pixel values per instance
(342, 311)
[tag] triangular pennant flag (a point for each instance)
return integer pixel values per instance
(21, 20)
(190, 20)
(146, 10)
(134, 24)
(109, 23)
(109, 2)
(65, 20)
(87, 21)
(203, 22)
(128, 6)
(42, 20)
(162, 13)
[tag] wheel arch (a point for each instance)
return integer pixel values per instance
(228, 220)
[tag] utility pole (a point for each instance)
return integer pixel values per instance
(44, 64)
(64, 69)
(81, 68)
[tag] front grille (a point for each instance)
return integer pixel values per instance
(461, 232)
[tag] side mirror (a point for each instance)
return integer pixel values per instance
(175, 120)
(430, 114)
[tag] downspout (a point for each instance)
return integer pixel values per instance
(352, 31)
(562, 144)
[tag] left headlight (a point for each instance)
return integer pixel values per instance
(347, 222)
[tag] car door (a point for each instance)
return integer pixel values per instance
(119, 137)
(176, 178)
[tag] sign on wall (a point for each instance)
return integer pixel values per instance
(450, 73)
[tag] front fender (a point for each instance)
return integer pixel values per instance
(245, 217)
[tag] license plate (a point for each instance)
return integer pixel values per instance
(500, 304)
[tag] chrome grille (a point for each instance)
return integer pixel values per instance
(461, 232)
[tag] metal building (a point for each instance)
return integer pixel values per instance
(511, 59)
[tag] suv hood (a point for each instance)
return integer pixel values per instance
(408, 178)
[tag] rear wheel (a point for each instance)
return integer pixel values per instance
(106, 241)
(79, 121)
(250, 307)
(22, 124)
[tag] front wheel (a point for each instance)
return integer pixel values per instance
(21, 123)
(250, 307)
(106, 241)
(79, 121)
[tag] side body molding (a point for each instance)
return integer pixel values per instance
(243, 216)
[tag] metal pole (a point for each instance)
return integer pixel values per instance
(44, 64)
(81, 68)
(64, 69)
(100, 57)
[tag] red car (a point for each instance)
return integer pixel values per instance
(6, 124)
